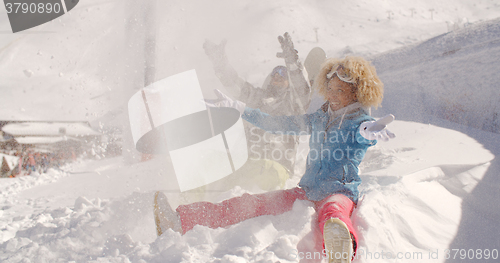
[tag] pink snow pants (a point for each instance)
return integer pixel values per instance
(247, 206)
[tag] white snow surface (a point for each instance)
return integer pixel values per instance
(434, 187)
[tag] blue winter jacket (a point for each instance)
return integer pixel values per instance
(336, 148)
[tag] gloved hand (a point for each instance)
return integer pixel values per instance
(224, 101)
(289, 53)
(216, 53)
(376, 130)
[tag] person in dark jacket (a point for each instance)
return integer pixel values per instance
(285, 91)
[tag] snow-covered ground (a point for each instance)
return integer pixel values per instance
(413, 203)
(432, 188)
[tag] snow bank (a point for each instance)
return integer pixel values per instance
(412, 204)
(10, 188)
(102, 231)
(451, 76)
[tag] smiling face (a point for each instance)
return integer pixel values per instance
(279, 81)
(339, 93)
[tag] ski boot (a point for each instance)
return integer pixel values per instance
(165, 217)
(338, 242)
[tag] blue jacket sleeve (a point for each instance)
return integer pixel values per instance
(293, 125)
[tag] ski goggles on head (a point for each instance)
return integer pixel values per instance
(341, 74)
(281, 71)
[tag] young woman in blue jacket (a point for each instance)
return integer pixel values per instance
(340, 133)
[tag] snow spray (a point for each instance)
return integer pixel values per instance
(204, 144)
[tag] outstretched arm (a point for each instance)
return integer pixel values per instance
(294, 125)
(223, 70)
(236, 86)
(299, 83)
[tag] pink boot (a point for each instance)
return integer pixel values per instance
(334, 219)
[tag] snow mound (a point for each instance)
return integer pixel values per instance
(103, 231)
(452, 76)
(411, 207)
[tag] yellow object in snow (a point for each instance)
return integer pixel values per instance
(261, 174)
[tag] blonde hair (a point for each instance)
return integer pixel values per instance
(369, 88)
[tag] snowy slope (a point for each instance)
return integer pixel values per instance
(434, 187)
(90, 61)
(64, 69)
(452, 76)
(451, 81)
